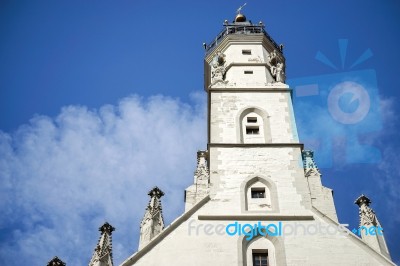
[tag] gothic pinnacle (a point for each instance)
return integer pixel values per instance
(102, 254)
(362, 200)
(156, 192)
(56, 262)
(106, 228)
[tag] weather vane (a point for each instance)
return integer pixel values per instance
(240, 8)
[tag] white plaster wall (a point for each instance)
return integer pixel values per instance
(328, 250)
(180, 248)
(201, 249)
(231, 166)
(227, 106)
(233, 53)
(236, 75)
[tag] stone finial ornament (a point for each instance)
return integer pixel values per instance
(56, 262)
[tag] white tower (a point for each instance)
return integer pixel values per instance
(254, 173)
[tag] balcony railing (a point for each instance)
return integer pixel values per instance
(239, 29)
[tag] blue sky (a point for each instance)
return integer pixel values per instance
(80, 81)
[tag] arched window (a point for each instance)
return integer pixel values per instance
(262, 249)
(253, 126)
(259, 194)
(260, 252)
(258, 197)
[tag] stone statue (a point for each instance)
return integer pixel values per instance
(279, 73)
(277, 67)
(218, 68)
(272, 58)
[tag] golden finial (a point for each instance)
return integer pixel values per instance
(240, 17)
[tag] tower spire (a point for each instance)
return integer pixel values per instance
(102, 255)
(153, 221)
(370, 228)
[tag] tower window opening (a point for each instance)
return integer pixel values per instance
(252, 127)
(252, 130)
(260, 259)
(248, 71)
(251, 119)
(258, 193)
(246, 52)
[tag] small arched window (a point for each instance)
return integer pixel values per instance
(258, 197)
(259, 194)
(253, 126)
(260, 252)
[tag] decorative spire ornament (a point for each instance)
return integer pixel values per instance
(56, 262)
(102, 255)
(153, 222)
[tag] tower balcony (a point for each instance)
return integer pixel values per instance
(245, 28)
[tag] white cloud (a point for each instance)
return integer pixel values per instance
(61, 178)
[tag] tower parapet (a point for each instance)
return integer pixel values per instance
(241, 26)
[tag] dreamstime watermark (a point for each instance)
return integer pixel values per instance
(278, 229)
